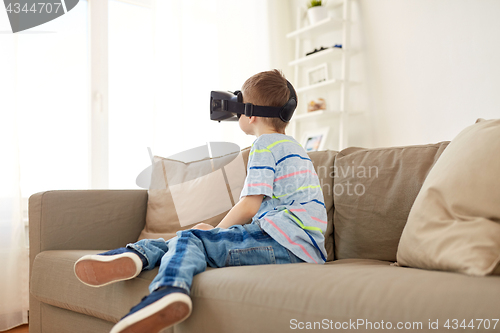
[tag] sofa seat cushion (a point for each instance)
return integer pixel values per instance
(280, 296)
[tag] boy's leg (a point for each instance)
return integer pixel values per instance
(120, 264)
(152, 250)
(192, 250)
(189, 253)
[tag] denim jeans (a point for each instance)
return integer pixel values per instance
(189, 253)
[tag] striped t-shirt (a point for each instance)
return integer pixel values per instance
(293, 210)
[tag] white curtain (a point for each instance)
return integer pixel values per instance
(14, 260)
(43, 136)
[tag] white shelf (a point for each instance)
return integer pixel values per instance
(319, 85)
(329, 23)
(317, 57)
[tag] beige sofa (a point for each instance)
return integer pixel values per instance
(368, 195)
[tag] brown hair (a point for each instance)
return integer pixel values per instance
(267, 89)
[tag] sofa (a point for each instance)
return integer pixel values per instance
(368, 195)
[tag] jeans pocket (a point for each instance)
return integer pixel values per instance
(293, 258)
(263, 255)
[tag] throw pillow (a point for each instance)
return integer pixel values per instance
(184, 194)
(454, 224)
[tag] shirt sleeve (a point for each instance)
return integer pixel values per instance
(260, 172)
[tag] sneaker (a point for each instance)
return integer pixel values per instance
(161, 309)
(97, 270)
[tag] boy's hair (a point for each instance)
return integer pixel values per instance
(268, 89)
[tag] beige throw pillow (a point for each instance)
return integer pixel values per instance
(184, 194)
(454, 224)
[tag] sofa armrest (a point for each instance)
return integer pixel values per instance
(82, 220)
(85, 219)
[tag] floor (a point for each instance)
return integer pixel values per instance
(19, 329)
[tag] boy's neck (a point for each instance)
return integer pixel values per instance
(266, 131)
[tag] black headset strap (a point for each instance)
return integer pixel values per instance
(249, 110)
(293, 94)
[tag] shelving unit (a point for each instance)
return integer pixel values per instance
(332, 88)
(312, 30)
(331, 82)
(317, 58)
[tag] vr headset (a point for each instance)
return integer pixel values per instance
(228, 106)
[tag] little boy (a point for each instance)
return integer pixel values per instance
(281, 195)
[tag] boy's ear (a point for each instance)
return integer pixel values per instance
(252, 119)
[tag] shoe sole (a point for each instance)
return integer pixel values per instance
(100, 270)
(166, 312)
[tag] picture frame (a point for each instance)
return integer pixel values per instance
(317, 74)
(315, 140)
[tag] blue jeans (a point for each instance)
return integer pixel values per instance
(189, 253)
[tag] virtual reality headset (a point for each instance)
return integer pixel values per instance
(229, 106)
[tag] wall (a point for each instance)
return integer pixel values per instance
(432, 67)
(255, 42)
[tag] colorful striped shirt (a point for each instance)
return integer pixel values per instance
(293, 210)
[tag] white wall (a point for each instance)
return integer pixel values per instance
(252, 40)
(433, 67)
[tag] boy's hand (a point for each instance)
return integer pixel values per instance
(203, 226)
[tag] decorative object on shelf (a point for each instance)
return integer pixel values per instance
(317, 74)
(315, 105)
(317, 50)
(323, 48)
(315, 140)
(316, 11)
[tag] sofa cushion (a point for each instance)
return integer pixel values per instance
(455, 222)
(340, 291)
(58, 320)
(374, 190)
(183, 194)
(283, 296)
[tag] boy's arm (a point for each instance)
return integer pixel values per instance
(243, 211)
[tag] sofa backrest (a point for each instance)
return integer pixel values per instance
(373, 192)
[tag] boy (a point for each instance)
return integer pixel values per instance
(281, 195)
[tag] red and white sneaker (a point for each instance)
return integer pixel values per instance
(97, 270)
